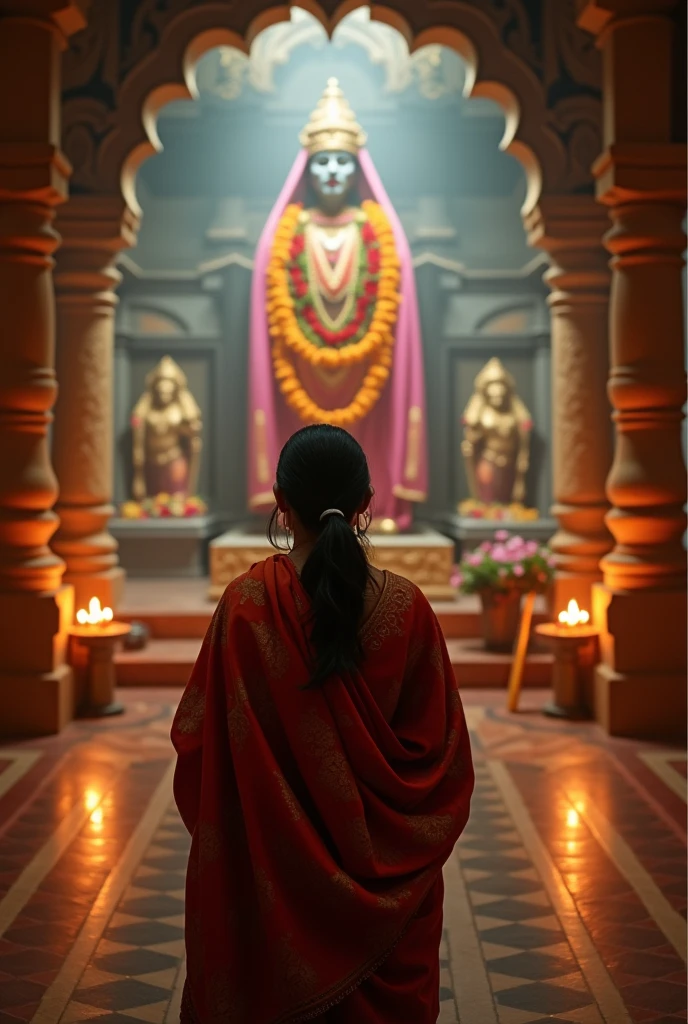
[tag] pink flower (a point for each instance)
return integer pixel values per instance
(474, 558)
(531, 548)
(500, 553)
(514, 543)
(456, 579)
(485, 546)
(519, 570)
(502, 535)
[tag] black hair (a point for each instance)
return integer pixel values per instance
(323, 467)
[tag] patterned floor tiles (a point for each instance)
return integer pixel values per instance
(565, 897)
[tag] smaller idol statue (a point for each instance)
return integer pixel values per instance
(166, 425)
(496, 446)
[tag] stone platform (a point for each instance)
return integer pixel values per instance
(151, 548)
(423, 556)
(178, 613)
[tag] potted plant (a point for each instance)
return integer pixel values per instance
(500, 572)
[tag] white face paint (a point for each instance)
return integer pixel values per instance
(332, 173)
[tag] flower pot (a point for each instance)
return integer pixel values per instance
(501, 616)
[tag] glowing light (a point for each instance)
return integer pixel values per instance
(95, 616)
(97, 817)
(572, 818)
(574, 616)
(580, 807)
(91, 799)
(571, 846)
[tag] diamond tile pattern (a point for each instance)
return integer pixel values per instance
(129, 978)
(531, 968)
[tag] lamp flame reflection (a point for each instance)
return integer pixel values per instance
(95, 616)
(572, 818)
(574, 616)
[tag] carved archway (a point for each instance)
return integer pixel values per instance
(167, 73)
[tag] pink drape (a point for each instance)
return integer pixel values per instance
(393, 434)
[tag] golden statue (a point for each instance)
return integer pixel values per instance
(166, 425)
(496, 446)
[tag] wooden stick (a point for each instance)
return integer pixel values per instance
(518, 664)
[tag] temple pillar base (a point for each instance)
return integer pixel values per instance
(36, 683)
(571, 586)
(640, 685)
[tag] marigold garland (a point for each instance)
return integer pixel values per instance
(376, 344)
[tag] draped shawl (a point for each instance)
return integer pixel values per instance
(320, 818)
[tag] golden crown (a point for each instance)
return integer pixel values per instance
(333, 124)
(494, 371)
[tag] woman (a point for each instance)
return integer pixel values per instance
(324, 773)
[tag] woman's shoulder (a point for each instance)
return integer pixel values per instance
(248, 587)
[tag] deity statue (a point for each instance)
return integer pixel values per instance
(496, 446)
(166, 426)
(335, 335)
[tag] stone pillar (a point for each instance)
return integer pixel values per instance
(570, 229)
(641, 176)
(36, 684)
(93, 229)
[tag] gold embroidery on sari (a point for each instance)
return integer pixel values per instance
(360, 837)
(288, 796)
(388, 618)
(272, 648)
(394, 900)
(430, 829)
(437, 657)
(237, 719)
(209, 843)
(343, 882)
(265, 890)
(457, 768)
(320, 741)
(191, 711)
(251, 590)
(218, 626)
(294, 972)
(454, 700)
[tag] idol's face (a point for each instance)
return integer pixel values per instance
(164, 391)
(497, 394)
(332, 173)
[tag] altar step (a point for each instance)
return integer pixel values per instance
(168, 662)
(178, 613)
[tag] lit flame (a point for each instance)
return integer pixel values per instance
(91, 799)
(573, 616)
(95, 615)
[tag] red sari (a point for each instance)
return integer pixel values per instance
(320, 818)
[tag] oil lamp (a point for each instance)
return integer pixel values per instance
(574, 643)
(96, 637)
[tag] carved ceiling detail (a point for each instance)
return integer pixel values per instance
(528, 55)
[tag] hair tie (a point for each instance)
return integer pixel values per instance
(332, 512)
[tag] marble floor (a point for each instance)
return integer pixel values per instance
(566, 896)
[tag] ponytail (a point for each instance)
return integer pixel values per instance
(323, 473)
(335, 577)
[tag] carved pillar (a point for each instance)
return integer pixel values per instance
(570, 230)
(93, 229)
(641, 177)
(36, 685)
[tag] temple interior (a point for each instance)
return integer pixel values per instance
(479, 273)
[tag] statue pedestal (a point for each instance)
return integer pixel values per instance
(422, 555)
(151, 548)
(469, 533)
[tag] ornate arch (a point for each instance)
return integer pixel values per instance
(164, 70)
